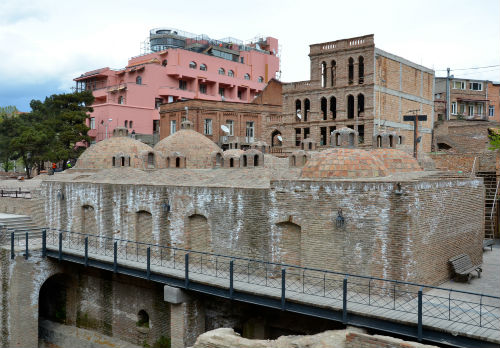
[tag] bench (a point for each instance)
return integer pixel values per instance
(488, 243)
(463, 267)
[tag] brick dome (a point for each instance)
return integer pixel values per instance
(343, 163)
(396, 160)
(197, 148)
(100, 155)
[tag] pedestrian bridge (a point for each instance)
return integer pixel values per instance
(419, 312)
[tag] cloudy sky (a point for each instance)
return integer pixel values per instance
(44, 44)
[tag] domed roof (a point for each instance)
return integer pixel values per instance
(197, 148)
(343, 163)
(396, 160)
(100, 155)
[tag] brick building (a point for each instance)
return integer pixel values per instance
(244, 121)
(356, 85)
(469, 99)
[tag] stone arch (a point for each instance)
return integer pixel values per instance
(151, 160)
(350, 106)
(198, 236)
(52, 298)
(143, 226)
(88, 219)
(290, 241)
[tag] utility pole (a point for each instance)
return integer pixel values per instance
(447, 94)
(415, 118)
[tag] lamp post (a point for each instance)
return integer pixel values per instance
(109, 120)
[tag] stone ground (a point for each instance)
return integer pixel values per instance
(489, 283)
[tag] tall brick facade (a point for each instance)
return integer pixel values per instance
(354, 84)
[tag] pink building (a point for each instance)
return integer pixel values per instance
(177, 66)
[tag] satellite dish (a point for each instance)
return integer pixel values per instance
(280, 138)
(224, 128)
(299, 115)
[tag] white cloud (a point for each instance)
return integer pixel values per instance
(56, 39)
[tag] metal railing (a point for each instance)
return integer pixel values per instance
(313, 286)
(15, 193)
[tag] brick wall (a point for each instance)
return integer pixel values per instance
(385, 235)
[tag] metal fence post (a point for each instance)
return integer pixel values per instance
(148, 264)
(231, 279)
(12, 253)
(186, 270)
(481, 311)
(86, 251)
(60, 246)
(115, 256)
(283, 287)
(344, 301)
(44, 243)
(420, 314)
(26, 255)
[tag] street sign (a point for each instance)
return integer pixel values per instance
(412, 117)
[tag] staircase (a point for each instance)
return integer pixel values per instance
(490, 206)
(19, 224)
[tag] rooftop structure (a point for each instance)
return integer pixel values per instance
(176, 66)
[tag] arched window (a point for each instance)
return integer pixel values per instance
(168, 162)
(391, 141)
(324, 108)
(255, 160)
(337, 139)
(361, 105)
(400, 140)
(130, 126)
(247, 77)
(333, 107)
(230, 73)
(177, 162)
(298, 109)
(192, 65)
(126, 123)
(244, 160)
(260, 79)
(333, 73)
(351, 139)
(218, 160)
(203, 67)
(138, 80)
(231, 162)
(361, 70)
(351, 70)
(123, 161)
(350, 106)
(114, 161)
(222, 71)
(293, 161)
(121, 100)
(379, 141)
(323, 74)
(151, 160)
(143, 318)
(307, 107)
(129, 161)
(164, 62)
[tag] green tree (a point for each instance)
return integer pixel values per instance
(494, 135)
(54, 130)
(8, 111)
